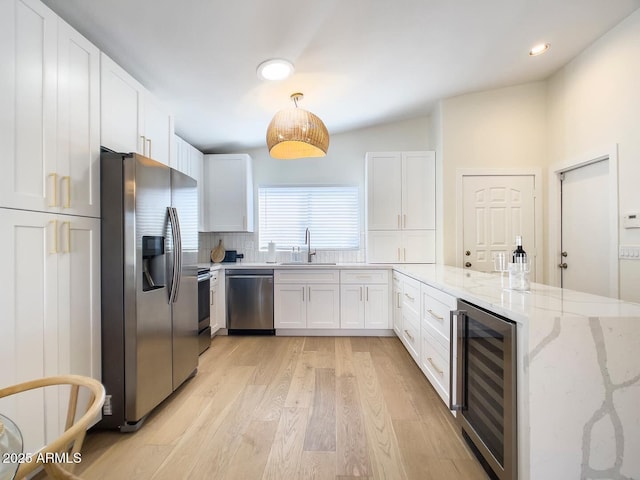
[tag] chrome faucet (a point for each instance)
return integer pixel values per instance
(307, 242)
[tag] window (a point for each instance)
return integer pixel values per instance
(330, 213)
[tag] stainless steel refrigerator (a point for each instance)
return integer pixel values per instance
(149, 285)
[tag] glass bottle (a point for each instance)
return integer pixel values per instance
(519, 255)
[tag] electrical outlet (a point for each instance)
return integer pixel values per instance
(107, 408)
(629, 252)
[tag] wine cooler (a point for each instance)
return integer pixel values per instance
(485, 386)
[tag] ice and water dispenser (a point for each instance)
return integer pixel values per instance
(153, 263)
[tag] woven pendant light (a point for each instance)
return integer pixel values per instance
(296, 133)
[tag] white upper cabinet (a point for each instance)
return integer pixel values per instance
(78, 158)
(190, 161)
(28, 89)
(418, 190)
(384, 190)
(121, 127)
(228, 193)
(49, 107)
(401, 207)
(401, 190)
(132, 119)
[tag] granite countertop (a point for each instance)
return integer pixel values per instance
(578, 373)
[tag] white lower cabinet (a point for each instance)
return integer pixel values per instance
(364, 299)
(435, 331)
(396, 295)
(410, 315)
(421, 320)
(306, 299)
(214, 302)
(51, 311)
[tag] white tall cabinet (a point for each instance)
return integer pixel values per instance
(401, 207)
(49, 210)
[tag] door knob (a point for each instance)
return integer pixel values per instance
(564, 254)
(468, 264)
(467, 253)
(563, 265)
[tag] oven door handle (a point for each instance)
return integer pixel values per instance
(457, 343)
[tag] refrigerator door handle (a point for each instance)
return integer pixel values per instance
(174, 267)
(178, 251)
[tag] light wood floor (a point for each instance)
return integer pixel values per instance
(288, 408)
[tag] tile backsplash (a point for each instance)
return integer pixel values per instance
(247, 244)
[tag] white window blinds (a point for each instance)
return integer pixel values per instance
(330, 213)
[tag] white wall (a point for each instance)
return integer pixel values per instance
(343, 165)
(498, 129)
(594, 102)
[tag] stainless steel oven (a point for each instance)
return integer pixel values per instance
(485, 386)
(204, 312)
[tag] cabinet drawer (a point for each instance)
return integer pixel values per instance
(449, 301)
(306, 276)
(434, 362)
(437, 315)
(364, 276)
(411, 295)
(411, 334)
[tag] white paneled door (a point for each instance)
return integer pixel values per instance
(496, 208)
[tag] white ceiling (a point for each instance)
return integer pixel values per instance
(358, 62)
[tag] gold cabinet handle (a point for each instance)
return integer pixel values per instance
(409, 297)
(67, 180)
(144, 145)
(437, 317)
(404, 221)
(435, 367)
(398, 300)
(409, 335)
(398, 253)
(55, 189)
(404, 254)
(68, 228)
(398, 220)
(54, 250)
(149, 142)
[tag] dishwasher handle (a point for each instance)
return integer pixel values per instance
(249, 276)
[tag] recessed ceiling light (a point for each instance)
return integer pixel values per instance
(539, 49)
(275, 69)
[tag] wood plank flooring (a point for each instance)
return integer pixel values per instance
(288, 408)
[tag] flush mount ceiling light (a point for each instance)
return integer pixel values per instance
(296, 133)
(275, 69)
(539, 49)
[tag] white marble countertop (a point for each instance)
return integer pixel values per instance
(578, 373)
(310, 266)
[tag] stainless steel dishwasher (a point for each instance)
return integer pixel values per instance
(249, 301)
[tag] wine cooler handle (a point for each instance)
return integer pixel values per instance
(456, 340)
